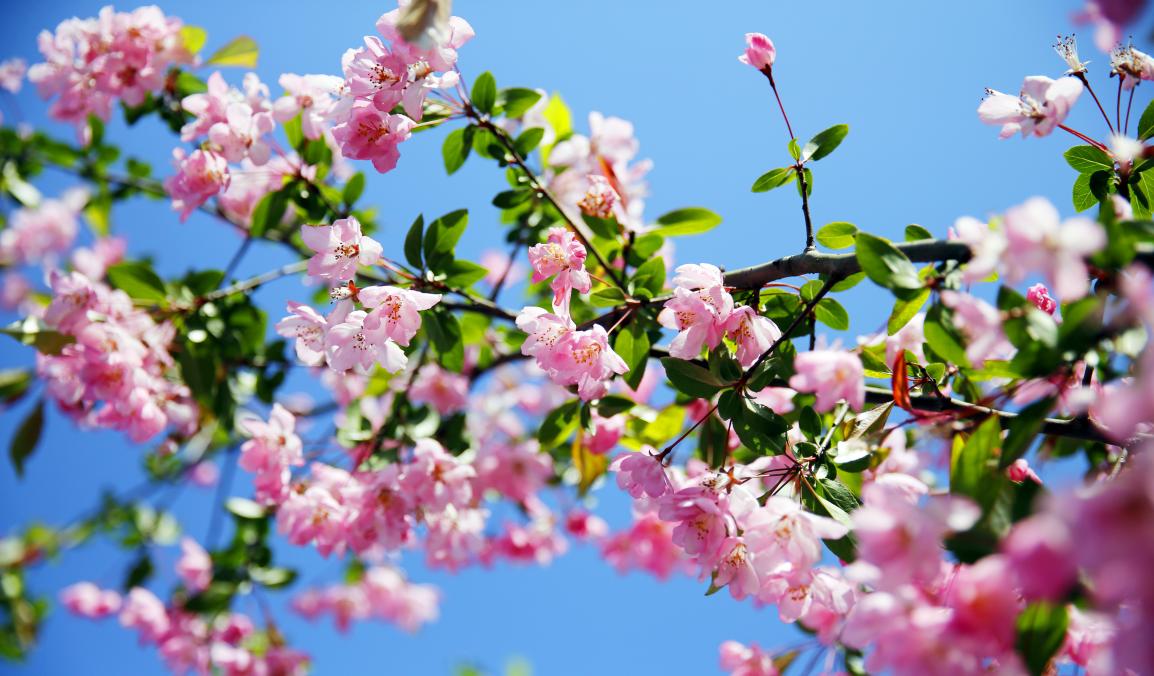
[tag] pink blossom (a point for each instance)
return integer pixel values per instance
(759, 51)
(1131, 65)
(986, 244)
(647, 545)
(981, 324)
(370, 134)
(445, 391)
(1020, 471)
(1089, 639)
(436, 479)
(535, 543)
(93, 262)
(702, 515)
(1041, 106)
(199, 176)
(516, 470)
(436, 46)
(753, 333)
(12, 74)
(599, 199)
(1041, 551)
(1040, 242)
(209, 107)
(145, 613)
(641, 474)
(204, 474)
(606, 433)
(272, 450)
(240, 135)
(87, 600)
(585, 526)
(339, 248)
(194, 566)
(985, 606)
(14, 290)
(382, 593)
(741, 660)
(313, 97)
(832, 375)
(1039, 295)
(785, 539)
(376, 74)
(395, 312)
(308, 327)
(563, 258)
(736, 569)
(38, 232)
(349, 347)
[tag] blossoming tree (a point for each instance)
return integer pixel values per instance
(781, 468)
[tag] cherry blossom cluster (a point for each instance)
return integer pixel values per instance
(598, 174)
(90, 64)
(768, 550)
(37, 234)
(188, 642)
(351, 339)
(703, 313)
(568, 355)
(115, 374)
(372, 512)
(382, 593)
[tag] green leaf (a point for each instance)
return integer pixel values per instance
(972, 463)
(354, 188)
(1088, 159)
(1083, 197)
(193, 38)
(1041, 632)
(273, 578)
(445, 332)
(518, 100)
(904, 311)
(242, 52)
(558, 425)
(774, 178)
(26, 438)
(794, 149)
(916, 233)
(484, 94)
(462, 274)
(605, 228)
(837, 235)
(458, 144)
(632, 345)
(760, 429)
(444, 233)
(650, 277)
(856, 459)
(886, 265)
(831, 313)
(1146, 122)
(691, 379)
(688, 221)
(137, 280)
(824, 142)
(31, 331)
(413, 242)
(943, 339)
(528, 140)
(607, 297)
(613, 404)
(268, 213)
(14, 383)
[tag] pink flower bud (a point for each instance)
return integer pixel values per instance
(759, 51)
(1039, 295)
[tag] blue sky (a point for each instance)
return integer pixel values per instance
(906, 78)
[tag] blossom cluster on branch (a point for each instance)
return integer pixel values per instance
(888, 493)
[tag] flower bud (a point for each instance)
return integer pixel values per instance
(759, 51)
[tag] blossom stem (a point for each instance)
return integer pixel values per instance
(810, 244)
(1087, 139)
(1086, 82)
(505, 273)
(1129, 106)
(768, 70)
(627, 315)
(544, 191)
(669, 449)
(253, 282)
(1118, 104)
(234, 262)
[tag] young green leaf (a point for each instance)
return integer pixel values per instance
(837, 235)
(458, 144)
(632, 345)
(774, 178)
(824, 143)
(26, 438)
(484, 94)
(413, 242)
(1088, 159)
(688, 221)
(517, 101)
(691, 379)
(886, 265)
(1041, 632)
(137, 280)
(241, 52)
